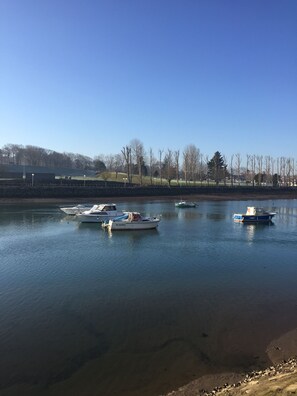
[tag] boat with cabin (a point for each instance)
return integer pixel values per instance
(131, 221)
(73, 210)
(99, 213)
(254, 215)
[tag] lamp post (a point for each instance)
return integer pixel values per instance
(33, 179)
(84, 180)
(125, 181)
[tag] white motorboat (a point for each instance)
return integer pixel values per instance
(73, 210)
(99, 213)
(132, 221)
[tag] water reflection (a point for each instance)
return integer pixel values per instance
(68, 219)
(287, 215)
(253, 229)
(216, 216)
(128, 236)
(14, 215)
(189, 214)
(168, 215)
(88, 226)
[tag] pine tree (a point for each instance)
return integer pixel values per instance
(216, 167)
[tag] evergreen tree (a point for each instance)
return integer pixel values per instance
(216, 167)
(275, 180)
(99, 166)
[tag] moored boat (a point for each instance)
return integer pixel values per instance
(99, 213)
(73, 210)
(254, 215)
(185, 204)
(132, 221)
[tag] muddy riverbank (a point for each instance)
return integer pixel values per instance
(278, 378)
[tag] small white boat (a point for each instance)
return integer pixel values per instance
(132, 221)
(185, 204)
(99, 213)
(73, 210)
(254, 215)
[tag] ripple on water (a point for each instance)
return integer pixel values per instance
(129, 313)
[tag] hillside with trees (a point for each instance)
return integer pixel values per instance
(188, 166)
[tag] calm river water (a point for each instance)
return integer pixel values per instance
(85, 312)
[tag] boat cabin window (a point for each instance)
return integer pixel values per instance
(109, 208)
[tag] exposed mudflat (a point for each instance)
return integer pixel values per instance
(275, 380)
(278, 379)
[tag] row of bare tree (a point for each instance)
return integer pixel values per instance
(190, 165)
(263, 169)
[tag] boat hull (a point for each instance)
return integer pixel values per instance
(137, 225)
(99, 213)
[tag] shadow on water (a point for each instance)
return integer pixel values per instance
(259, 226)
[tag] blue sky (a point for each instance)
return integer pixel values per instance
(89, 76)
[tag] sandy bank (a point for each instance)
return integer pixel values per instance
(280, 378)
